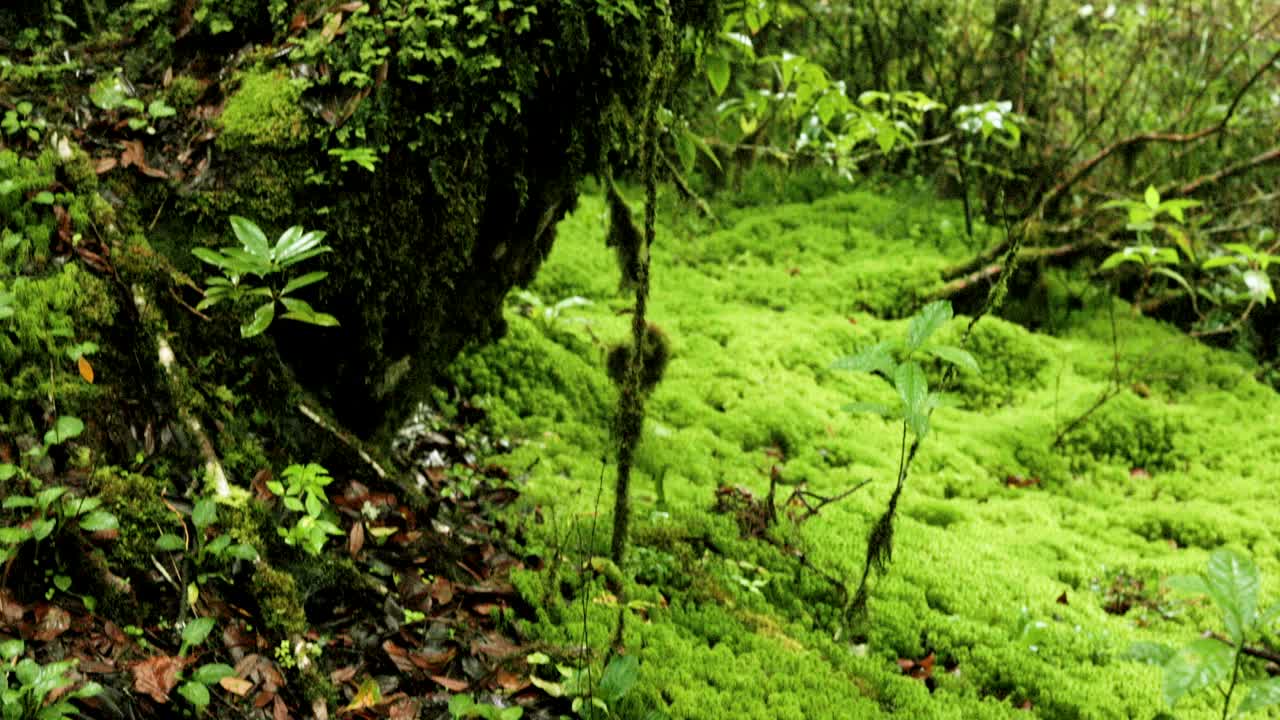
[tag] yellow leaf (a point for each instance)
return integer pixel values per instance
(86, 370)
(368, 696)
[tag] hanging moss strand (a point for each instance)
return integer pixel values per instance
(632, 397)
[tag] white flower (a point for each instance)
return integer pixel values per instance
(1086, 10)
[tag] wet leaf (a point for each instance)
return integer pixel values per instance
(156, 676)
(86, 370)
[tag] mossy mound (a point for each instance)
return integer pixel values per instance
(1006, 547)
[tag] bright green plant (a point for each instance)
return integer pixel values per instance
(25, 686)
(257, 258)
(195, 689)
(365, 157)
(1231, 581)
(22, 120)
(113, 93)
(592, 701)
(209, 555)
(303, 491)
(898, 360)
(465, 706)
(47, 508)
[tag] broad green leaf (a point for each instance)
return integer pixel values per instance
(718, 73)
(913, 388)
(287, 240)
(291, 249)
(1151, 653)
(7, 471)
(1233, 584)
(196, 631)
(303, 281)
(1201, 664)
(1152, 197)
(250, 236)
(218, 544)
(66, 428)
(211, 673)
(240, 551)
(99, 520)
(262, 318)
(1221, 260)
(42, 528)
(169, 542)
(1176, 277)
(685, 149)
(205, 513)
(11, 649)
(955, 356)
(877, 358)
(48, 496)
(620, 675)
(195, 693)
(1262, 694)
(1118, 257)
(926, 322)
(18, 501)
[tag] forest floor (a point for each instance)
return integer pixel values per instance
(1023, 568)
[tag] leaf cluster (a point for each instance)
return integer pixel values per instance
(26, 685)
(1231, 581)
(258, 258)
(303, 492)
(899, 361)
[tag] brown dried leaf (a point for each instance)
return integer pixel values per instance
(399, 657)
(104, 165)
(11, 611)
(51, 621)
(433, 662)
(406, 709)
(156, 676)
(355, 541)
(451, 684)
(342, 675)
(279, 711)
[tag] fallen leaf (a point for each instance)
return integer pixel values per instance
(320, 709)
(451, 684)
(399, 657)
(342, 675)
(355, 541)
(51, 621)
(406, 709)
(104, 165)
(1139, 473)
(368, 696)
(11, 611)
(236, 686)
(86, 370)
(280, 711)
(156, 676)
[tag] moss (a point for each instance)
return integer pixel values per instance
(264, 112)
(279, 602)
(183, 93)
(979, 564)
(138, 504)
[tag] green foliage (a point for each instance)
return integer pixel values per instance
(26, 685)
(36, 516)
(265, 112)
(209, 556)
(899, 362)
(303, 492)
(195, 688)
(592, 698)
(22, 120)
(465, 706)
(256, 257)
(1231, 581)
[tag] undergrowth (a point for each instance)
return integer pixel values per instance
(1006, 545)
